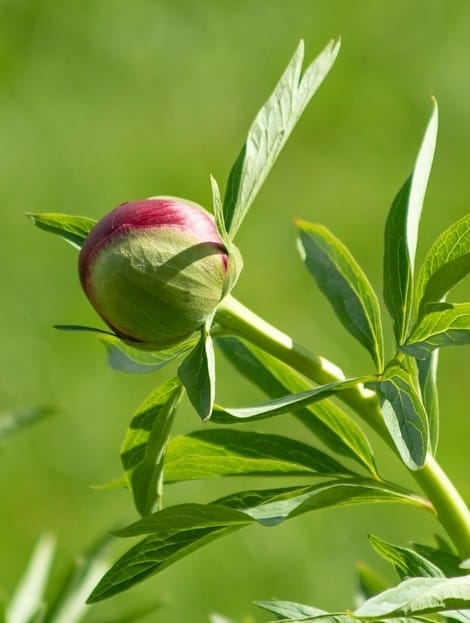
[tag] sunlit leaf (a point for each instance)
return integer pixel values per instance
(227, 452)
(447, 263)
(427, 378)
(407, 563)
(270, 130)
(345, 285)
(291, 402)
(404, 415)
(444, 324)
(143, 449)
(401, 235)
(197, 373)
(73, 229)
(418, 596)
(326, 420)
(289, 609)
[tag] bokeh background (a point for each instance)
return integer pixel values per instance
(105, 101)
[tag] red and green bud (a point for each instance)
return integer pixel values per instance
(155, 270)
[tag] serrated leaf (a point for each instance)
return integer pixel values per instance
(143, 449)
(13, 421)
(447, 263)
(337, 430)
(444, 324)
(125, 358)
(401, 235)
(221, 452)
(29, 594)
(197, 374)
(418, 596)
(73, 229)
(270, 130)
(175, 532)
(404, 415)
(291, 402)
(407, 563)
(345, 285)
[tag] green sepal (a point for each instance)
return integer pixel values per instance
(73, 229)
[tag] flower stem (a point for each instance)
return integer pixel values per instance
(450, 508)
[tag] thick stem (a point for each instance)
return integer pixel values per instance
(450, 508)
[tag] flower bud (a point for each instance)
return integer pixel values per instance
(155, 270)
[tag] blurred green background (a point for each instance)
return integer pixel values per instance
(104, 101)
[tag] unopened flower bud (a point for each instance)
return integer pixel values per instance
(155, 270)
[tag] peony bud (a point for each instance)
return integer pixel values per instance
(155, 270)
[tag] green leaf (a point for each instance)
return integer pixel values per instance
(197, 373)
(444, 324)
(175, 532)
(13, 421)
(272, 507)
(70, 605)
(221, 452)
(404, 415)
(427, 378)
(446, 561)
(78, 328)
(125, 358)
(345, 285)
(143, 449)
(73, 229)
(270, 130)
(369, 582)
(447, 263)
(407, 563)
(289, 609)
(29, 594)
(337, 430)
(401, 235)
(418, 596)
(223, 415)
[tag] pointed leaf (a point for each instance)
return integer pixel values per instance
(401, 235)
(404, 415)
(197, 373)
(444, 324)
(326, 420)
(175, 532)
(29, 593)
(407, 563)
(289, 609)
(125, 358)
(73, 229)
(223, 415)
(447, 263)
(427, 378)
(78, 328)
(270, 130)
(143, 449)
(221, 452)
(345, 285)
(418, 596)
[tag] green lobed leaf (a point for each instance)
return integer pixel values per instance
(125, 358)
(143, 449)
(408, 564)
(227, 452)
(13, 421)
(29, 594)
(418, 596)
(291, 402)
(337, 430)
(345, 285)
(175, 532)
(447, 263)
(270, 130)
(444, 324)
(401, 235)
(404, 414)
(73, 229)
(197, 373)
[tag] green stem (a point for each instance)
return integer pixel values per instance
(450, 508)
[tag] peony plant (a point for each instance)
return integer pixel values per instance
(160, 272)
